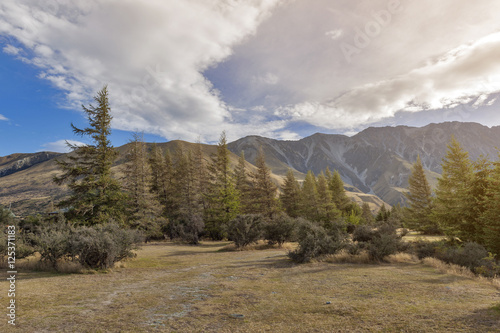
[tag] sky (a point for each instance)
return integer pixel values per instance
(283, 69)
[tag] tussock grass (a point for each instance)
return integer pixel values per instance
(182, 288)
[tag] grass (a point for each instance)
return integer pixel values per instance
(181, 288)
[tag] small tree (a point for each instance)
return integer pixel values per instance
(418, 213)
(245, 229)
(96, 196)
(290, 196)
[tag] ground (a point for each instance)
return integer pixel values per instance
(180, 288)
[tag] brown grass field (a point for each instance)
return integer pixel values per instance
(180, 288)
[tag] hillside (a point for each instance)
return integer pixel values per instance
(377, 160)
(375, 164)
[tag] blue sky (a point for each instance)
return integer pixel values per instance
(278, 68)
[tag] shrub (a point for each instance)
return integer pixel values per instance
(187, 228)
(425, 249)
(245, 229)
(102, 246)
(363, 233)
(280, 229)
(52, 242)
(315, 241)
(380, 242)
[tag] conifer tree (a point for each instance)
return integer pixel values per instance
(223, 204)
(290, 196)
(143, 209)
(478, 194)
(382, 215)
(366, 214)
(96, 197)
(417, 215)
(243, 185)
(309, 197)
(326, 208)
(339, 197)
(490, 217)
(452, 203)
(263, 191)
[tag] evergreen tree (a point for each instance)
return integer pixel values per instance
(339, 196)
(490, 216)
(418, 213)
(263, 188)
(142, 207)
(223, 205)
(309, 198)
(478, 194)
(96, 197)
(366, 214)
(290, 196)
(243, 185)
(382, 215)
(452, 203)
(326, 208)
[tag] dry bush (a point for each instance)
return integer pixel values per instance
(402, 258)
(344, 257)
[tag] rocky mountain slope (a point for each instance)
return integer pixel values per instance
(377, 160)
(375, 164)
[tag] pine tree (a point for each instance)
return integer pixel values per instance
(263, 191)
(223, 204)
(417, 215)
(478, 194)
(326, 208)
(339, 197)
(243, 185)
(96, 196)
(290, 196)
(309, 198)
(452, 203)
(382, 215)
(490, 216)
(366, 215)
(143, 209)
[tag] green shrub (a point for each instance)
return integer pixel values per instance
(52, 242)
(102, 246)
(315, 241)
(245, 229)
(187, 228)
(380, 242)
(280, 229)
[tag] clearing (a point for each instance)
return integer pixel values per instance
(180, 288)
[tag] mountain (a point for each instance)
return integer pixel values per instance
(375, 164)
(377, 160)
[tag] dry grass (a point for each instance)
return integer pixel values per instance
(180, 288)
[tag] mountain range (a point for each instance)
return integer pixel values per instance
(375, 164)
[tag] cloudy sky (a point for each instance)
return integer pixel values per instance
(278, 68)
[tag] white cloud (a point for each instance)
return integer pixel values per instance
(267, 79)
(2, 117)
(469, 73)
(61, 146)
(12, 50)
(153, 67)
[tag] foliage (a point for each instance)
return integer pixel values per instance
(419, 199)
(314, 241)
(52, 242)
(290, 195)
(101, 246)
(264, 200)
(96, 196)
(222, 197)
(245, 229)
(280, 229)
(187, 228)
(380, 242)
(452, 205)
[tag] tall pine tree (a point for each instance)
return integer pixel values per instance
(290, 195)
(263, 191)
(96, 196)
(452, 203)
(417, 215)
